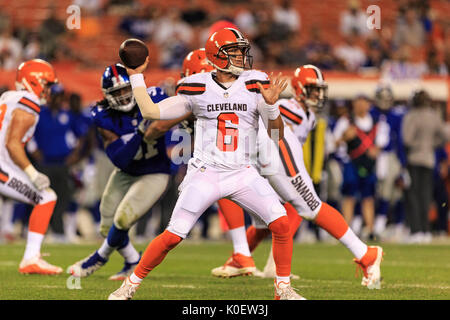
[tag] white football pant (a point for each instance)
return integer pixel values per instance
(204, 184)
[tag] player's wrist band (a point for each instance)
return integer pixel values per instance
(272, 111)
(137, 80)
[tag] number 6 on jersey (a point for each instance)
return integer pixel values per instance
(227, 138)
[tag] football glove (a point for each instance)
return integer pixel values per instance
(39, 180)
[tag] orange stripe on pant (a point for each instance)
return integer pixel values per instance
(287, 160)
(40, 217)
(3, 178)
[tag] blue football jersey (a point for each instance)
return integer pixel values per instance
(151, 157)
(394, 118)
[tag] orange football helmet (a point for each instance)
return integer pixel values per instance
(36, 76)
(195, 62)
(217, 51)
(310, 86)
(216, 26)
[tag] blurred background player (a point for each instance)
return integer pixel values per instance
(19, 180)
(424, 132)
(137, 149)
(287, 174)
(391, 162)
(221, 163)
(364, 136)
(56, 147)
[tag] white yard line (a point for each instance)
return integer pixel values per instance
(183, 286)
(384, 285)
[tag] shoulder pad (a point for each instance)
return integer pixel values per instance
(193, 84)
(287, 111)
(253, 77)
(29, 101)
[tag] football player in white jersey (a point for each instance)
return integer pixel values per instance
(19, 180)
(287, 174)
(227, 105)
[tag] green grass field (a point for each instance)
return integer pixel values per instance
(326, 271)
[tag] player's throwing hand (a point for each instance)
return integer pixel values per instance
(139, 69)
(276, 86)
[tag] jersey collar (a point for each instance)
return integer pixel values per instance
(222, 90)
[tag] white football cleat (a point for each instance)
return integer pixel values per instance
(87, 266)
(37, 265)
(284, 291)
(372, 271)
(236, 265)
(125, 292)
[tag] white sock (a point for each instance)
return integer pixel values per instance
(354, 244)
(286, 280)
(239, 239)
(105, 250)
(33, 247)
(129, 253)
(135, 279)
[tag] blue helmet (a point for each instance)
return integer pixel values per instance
(116, 88)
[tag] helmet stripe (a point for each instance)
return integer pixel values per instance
(116, 74)
(236, 33)
(316, 70)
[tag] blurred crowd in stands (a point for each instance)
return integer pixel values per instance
(398, 193)
(415, 43)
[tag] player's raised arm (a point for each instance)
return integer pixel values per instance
(170, 108)
(269, 109)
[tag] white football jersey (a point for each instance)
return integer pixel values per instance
(295, 116)
(226, 118)
(10, 101)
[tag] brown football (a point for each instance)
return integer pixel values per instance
(133, 53)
